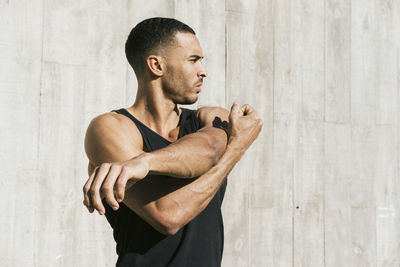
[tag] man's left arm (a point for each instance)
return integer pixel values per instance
(195, 153)
(190, 156)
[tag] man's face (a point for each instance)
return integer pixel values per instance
(184, 69)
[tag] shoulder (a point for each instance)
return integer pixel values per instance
(108, 124)
(110, 135)
(209, 114)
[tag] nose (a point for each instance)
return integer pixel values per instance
(202, 72)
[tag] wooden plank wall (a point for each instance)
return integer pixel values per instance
(320, 187)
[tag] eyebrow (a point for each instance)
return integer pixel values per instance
(196, 57)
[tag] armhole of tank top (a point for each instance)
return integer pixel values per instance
(125, 113)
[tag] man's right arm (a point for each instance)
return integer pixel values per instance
(168, 204)
(180, 200)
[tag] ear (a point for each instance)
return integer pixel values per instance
(156, 65)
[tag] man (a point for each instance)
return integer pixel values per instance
(163, 192)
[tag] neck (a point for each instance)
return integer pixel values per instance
(154, 109)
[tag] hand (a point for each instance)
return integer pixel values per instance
(110, 180)
(244, 126)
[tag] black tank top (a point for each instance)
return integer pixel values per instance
(199, 243)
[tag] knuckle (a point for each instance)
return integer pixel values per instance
(120, 185)
(106, 189)
(93, 191)
(125, 169)
(85, 189)
(95, 170)
(116, 166)
(105, 165)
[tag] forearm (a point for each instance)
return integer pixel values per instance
(189, 201)
(190, 156)
(172, 211)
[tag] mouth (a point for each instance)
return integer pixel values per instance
(198, 87)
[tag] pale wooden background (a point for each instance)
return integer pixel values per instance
(320, 187)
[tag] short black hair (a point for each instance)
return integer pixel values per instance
(149, 35)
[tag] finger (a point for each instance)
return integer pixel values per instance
(234, 110)
(95, 188)
(86, 194)
(120, 185)
(91, 209)
(107, 188)
(247, 109)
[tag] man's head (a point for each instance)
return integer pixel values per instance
(151, 36)
(167, 50)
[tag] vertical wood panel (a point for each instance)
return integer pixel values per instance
(386, 81)
(337, 175)
(20, 56)
(363, 198)
(337, 57)
(337, 164)
(387, 190)
(284, 140)
(363, 229)
(260, 167)
(363, 63)
(65, 35)
(364, 137)
(236, 249)
(309, 66)
(308, 196)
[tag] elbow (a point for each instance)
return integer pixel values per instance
(168, 224)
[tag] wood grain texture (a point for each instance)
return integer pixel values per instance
(20, 58)
(280, 230)
(260, 169)
(337, 61)
(337, 132)
(337, 180)
(385, 42)
(236, 249)
(284, 138)
(387, 190)
(308, 66)
(320, 187)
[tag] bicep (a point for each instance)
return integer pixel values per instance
(214, 121)
(213, 116)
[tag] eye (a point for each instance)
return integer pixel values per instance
(194, 59)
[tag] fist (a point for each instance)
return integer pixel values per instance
(244, 126)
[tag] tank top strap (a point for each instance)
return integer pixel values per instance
(151, 140)
(188, 122)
